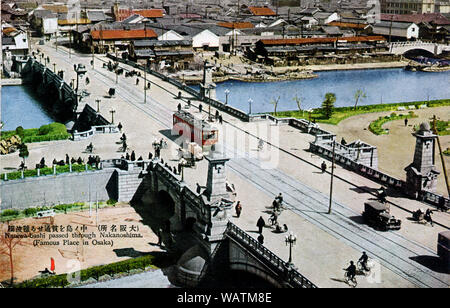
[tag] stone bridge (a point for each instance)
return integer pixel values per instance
(197, 223)
(60, 98)
(399, 48)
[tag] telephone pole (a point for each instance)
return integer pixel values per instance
(332, 176)
(441, 155)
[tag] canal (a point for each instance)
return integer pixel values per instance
(379, 85)
(20, 107)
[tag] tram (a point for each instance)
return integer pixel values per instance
(193, 129)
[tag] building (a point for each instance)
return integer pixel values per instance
(44, 22)
(396, 30)
(172, 53)
(107, 40)
(323, 50)
(408, 6)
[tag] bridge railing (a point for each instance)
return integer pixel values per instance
(293, 277)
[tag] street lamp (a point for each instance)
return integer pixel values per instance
(226, 96)
(112, 111)
(290, 240)
(98, 104)
(54, 68)
(250, 101)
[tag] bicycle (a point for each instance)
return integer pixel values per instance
(360, 268)
(351, 282)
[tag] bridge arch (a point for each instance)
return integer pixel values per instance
(414, 52)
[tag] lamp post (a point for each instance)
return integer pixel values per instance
(112, 111)
(250, 101)
(145, 81)
(332, 176)
(226, 96)
(98, 104)
(290, 240)
(54, 68)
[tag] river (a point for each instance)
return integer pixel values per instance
(19, 107)
(379, 85)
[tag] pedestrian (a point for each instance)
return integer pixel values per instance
(406, 121)
(217, 115)
(261, 239)
(189, 103)
(150, 155)
(260, 224)
(428, 216)
(133, 156)
(343, 142)
(67, 159)
(238, 209)
(323, 167)
(198, 189)
(119, 126)
(137, 81)
(220, 119)
(179, 107)
(200, 107)
(127, 156)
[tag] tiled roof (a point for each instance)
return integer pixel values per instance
(261, 11)
(318, 40)
(347, 25)
(435, 18)
(123, 34)
(56, 8)
(236, 25)
(154, 13)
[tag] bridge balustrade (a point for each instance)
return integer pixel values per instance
(293, 277)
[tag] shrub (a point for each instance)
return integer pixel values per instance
(111, 202)
(44, 130)
(20, 131)
(10, 213)
(30, 211)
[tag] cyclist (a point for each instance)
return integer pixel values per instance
(363, 260)
(351, 271)
(274, 218)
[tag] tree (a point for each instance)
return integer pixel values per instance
(7, 245)
(274, 102)
(298, 101)
(359, 95)
(328, 104)
(23, 152)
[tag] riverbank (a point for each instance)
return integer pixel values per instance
(342, 113)
(288, 73)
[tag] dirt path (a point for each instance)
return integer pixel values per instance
(395, 150)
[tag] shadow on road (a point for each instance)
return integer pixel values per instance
(433, 263)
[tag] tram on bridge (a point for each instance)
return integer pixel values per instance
(193, 129)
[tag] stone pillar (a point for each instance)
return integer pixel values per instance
(207, 88)
(215, 184)
(421, 174)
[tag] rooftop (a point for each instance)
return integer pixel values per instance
(123, 34)
(261, 11)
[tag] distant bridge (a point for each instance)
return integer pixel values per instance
(400, 48)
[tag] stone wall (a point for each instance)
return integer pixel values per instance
(49, 190)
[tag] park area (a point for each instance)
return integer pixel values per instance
(76, 241)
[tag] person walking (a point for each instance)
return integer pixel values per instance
(179, 107)
(238, 209)
(119, 126)
(261, 239)
(406, 122)
(260, 224)
(323, 167)
(200, 107)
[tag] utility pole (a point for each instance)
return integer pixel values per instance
(332, 176)
(440, 153)
(117, 76)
